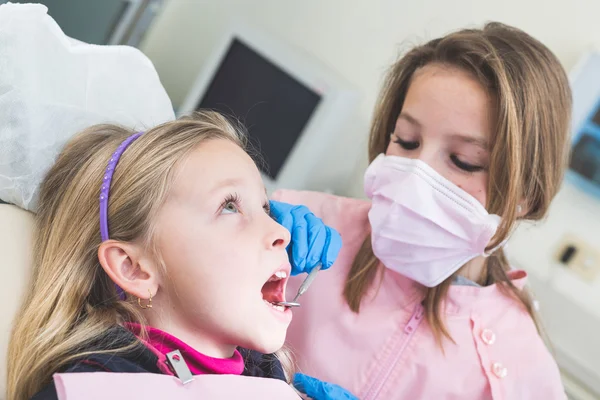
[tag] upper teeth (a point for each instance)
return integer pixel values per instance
(281, 274)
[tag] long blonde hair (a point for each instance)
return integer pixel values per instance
(529, 149)
(72, 302)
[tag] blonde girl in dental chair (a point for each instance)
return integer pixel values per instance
(470, 136)
(148, 243)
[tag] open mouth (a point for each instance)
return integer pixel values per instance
(273, 291)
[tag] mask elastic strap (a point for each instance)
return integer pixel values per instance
(493, 250)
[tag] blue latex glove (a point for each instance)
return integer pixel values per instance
(312, 242)
(319, 390)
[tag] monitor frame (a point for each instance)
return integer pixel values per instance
(338, 102)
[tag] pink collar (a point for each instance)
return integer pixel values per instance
(161, 343)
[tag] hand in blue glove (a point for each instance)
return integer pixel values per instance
(312, 241)
(319, 390)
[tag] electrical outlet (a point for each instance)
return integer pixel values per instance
(579, 257)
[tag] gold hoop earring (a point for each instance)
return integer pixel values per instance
(149, 305)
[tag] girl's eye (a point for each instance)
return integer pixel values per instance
(465, 166)
(231, 204)
(407, 145)
(230, 208)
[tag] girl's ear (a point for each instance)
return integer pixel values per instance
(127, 266)
(522, 208)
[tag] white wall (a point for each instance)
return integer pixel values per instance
(359, 39)
(570, 307)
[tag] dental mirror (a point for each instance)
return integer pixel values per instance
(303, 288)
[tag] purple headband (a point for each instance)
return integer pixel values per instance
(110, 169)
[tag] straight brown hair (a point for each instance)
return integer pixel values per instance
(529, 147)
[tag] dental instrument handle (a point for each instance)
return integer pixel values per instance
(309, 279)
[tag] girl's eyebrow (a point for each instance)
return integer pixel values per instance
(472, 139)
(409, 118)
(227, 182)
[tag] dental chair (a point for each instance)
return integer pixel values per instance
(16, 229)
(52, 88)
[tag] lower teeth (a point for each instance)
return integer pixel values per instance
(279, 308)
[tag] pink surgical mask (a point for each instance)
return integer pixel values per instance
(423, 226)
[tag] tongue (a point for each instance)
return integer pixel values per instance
(271, 291)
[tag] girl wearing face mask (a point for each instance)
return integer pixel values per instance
(469, 137)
